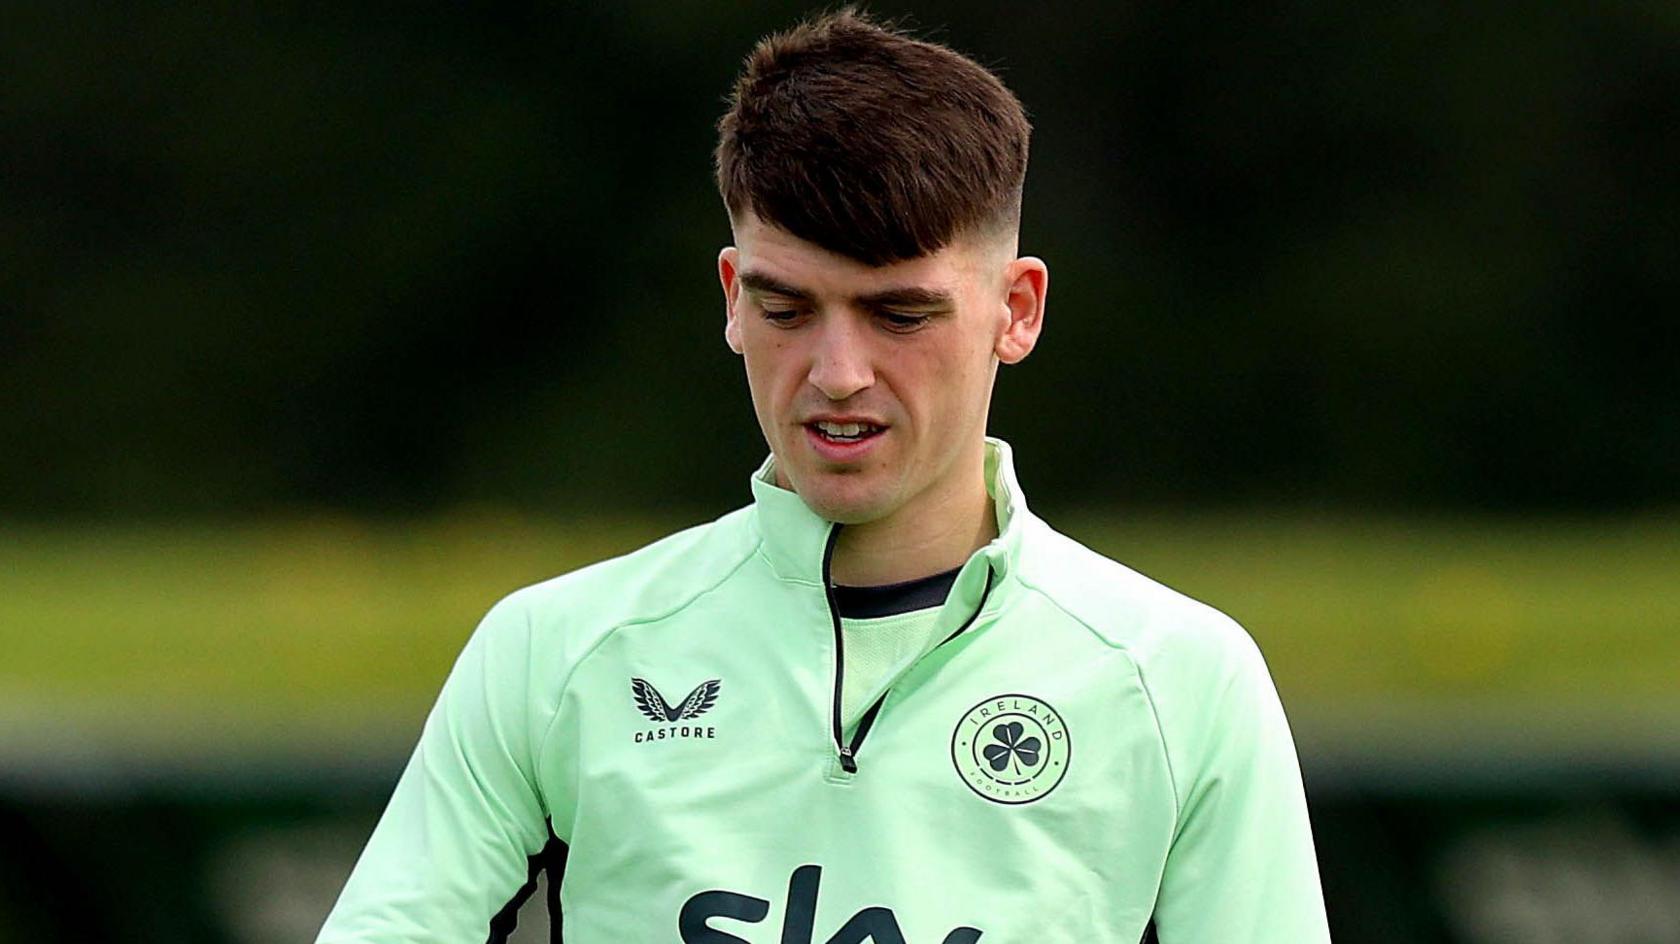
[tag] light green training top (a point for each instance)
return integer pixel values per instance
(1084, 753)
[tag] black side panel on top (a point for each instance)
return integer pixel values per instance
(556, 865)
(553, 858)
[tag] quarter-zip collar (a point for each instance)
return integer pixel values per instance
(794, 537)
(799, 544)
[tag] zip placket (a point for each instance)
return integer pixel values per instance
(848, 752)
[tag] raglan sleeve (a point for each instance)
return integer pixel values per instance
(1241, 868)
(457, 839)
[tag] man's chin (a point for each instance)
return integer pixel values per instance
(835, 501)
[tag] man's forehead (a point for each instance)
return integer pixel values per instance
(775, 255)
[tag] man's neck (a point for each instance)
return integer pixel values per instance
(931, 535)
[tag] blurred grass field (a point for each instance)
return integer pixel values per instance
(318, 628)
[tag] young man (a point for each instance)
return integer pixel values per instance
(884, 702)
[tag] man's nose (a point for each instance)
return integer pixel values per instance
(840, 363)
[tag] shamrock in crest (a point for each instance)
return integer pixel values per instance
(1012, 750)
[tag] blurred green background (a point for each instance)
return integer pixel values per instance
(323, 327)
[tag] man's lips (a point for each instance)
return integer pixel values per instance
(845, 428)
(837, 447)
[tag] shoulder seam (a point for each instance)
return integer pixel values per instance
(1143, 683)
(566, 683)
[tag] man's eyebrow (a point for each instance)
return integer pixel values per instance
(909, 296)
(765, 285)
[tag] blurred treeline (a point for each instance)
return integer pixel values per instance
(255, 258)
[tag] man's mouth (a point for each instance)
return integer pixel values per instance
(845, 432)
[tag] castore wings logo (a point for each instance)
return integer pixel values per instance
(662, 713)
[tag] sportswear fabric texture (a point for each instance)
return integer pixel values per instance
(883, 628)
(876, 649)
(1083, 750)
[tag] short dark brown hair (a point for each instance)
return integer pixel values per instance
(861, 139)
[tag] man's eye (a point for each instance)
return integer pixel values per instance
(780, 315)
(899, 321)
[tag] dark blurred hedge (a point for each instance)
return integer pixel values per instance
(1403, 255)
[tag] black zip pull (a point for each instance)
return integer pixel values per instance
(848, 763)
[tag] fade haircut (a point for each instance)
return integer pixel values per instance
(854, 136)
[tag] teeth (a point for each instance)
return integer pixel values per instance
(845, 430)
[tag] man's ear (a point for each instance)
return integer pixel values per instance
(727, 272)
(1027, 282)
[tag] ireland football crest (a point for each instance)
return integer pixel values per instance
(1011, 749)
